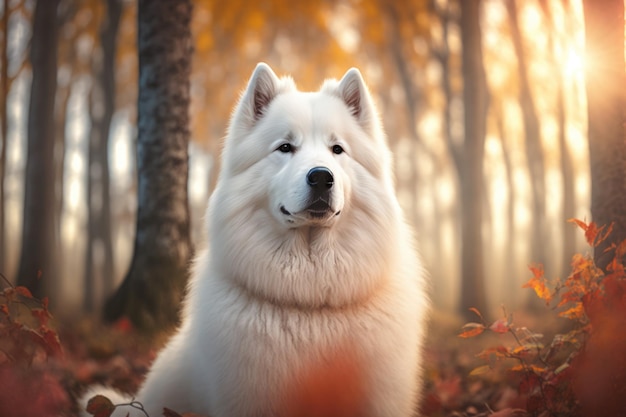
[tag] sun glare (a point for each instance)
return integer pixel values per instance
(574, 63)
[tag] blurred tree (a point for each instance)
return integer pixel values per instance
(469, 159)
(568, 209)
(4, 83)
(66, 63)
(606, 103)
(399, 35)
(511, 285)
(102, 107)
(37, 259)
(532, 142)
(152, 289)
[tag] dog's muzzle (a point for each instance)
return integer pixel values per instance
(320, 181)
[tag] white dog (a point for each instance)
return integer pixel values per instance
(311, 299)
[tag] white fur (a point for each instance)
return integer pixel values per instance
(278, 293)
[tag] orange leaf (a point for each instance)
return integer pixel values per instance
(603, 234)
(579, 223)
(475, 311)
(620, 251)
(574, 313)
(331, 388)
(480, 370)
(498, 351)
(591, 233)
(472, 329)
(538, 283)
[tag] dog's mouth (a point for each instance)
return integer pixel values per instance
(318, 210)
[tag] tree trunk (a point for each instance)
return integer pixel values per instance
(37, 260)
(412, 99)
(532, 142)
(152, 289)
(606, 107)
(569, 194)
(511, 286)
(99, 269)
(4, 80)
(475, 103)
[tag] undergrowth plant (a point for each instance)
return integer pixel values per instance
(28, 342)
(581, 372)
(25, 332)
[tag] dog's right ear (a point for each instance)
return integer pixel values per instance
(262, 89)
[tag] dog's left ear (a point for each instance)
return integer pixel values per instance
(354, 93)
(262, 89)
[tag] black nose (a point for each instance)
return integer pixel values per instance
(320, 179)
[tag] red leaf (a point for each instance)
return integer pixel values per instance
(4, 309)
(100, 406)
(9, 294)
(124, 325)
(500, 326)
(23, 291)
(591, 233)
(530, 382)
(42, 315)
(53, 344)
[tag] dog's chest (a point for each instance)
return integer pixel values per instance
(266, 353)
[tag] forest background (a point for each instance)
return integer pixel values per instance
(506, 120)
(488, 184)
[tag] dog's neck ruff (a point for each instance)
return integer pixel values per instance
(266, 300)
(312, 269)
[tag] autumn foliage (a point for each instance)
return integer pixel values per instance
(581, 372)
(27, 342)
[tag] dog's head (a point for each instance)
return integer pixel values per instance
(299, 152)
(304, 212)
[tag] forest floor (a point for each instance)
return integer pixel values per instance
(49, 385)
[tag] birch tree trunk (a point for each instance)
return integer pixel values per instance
(152, 289)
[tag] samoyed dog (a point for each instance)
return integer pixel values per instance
(310, 300)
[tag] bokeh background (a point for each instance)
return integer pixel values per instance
(532, 162)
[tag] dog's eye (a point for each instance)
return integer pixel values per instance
(285, 148)
(337, 149)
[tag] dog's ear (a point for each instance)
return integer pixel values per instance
(262, 88)
(354, 93)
